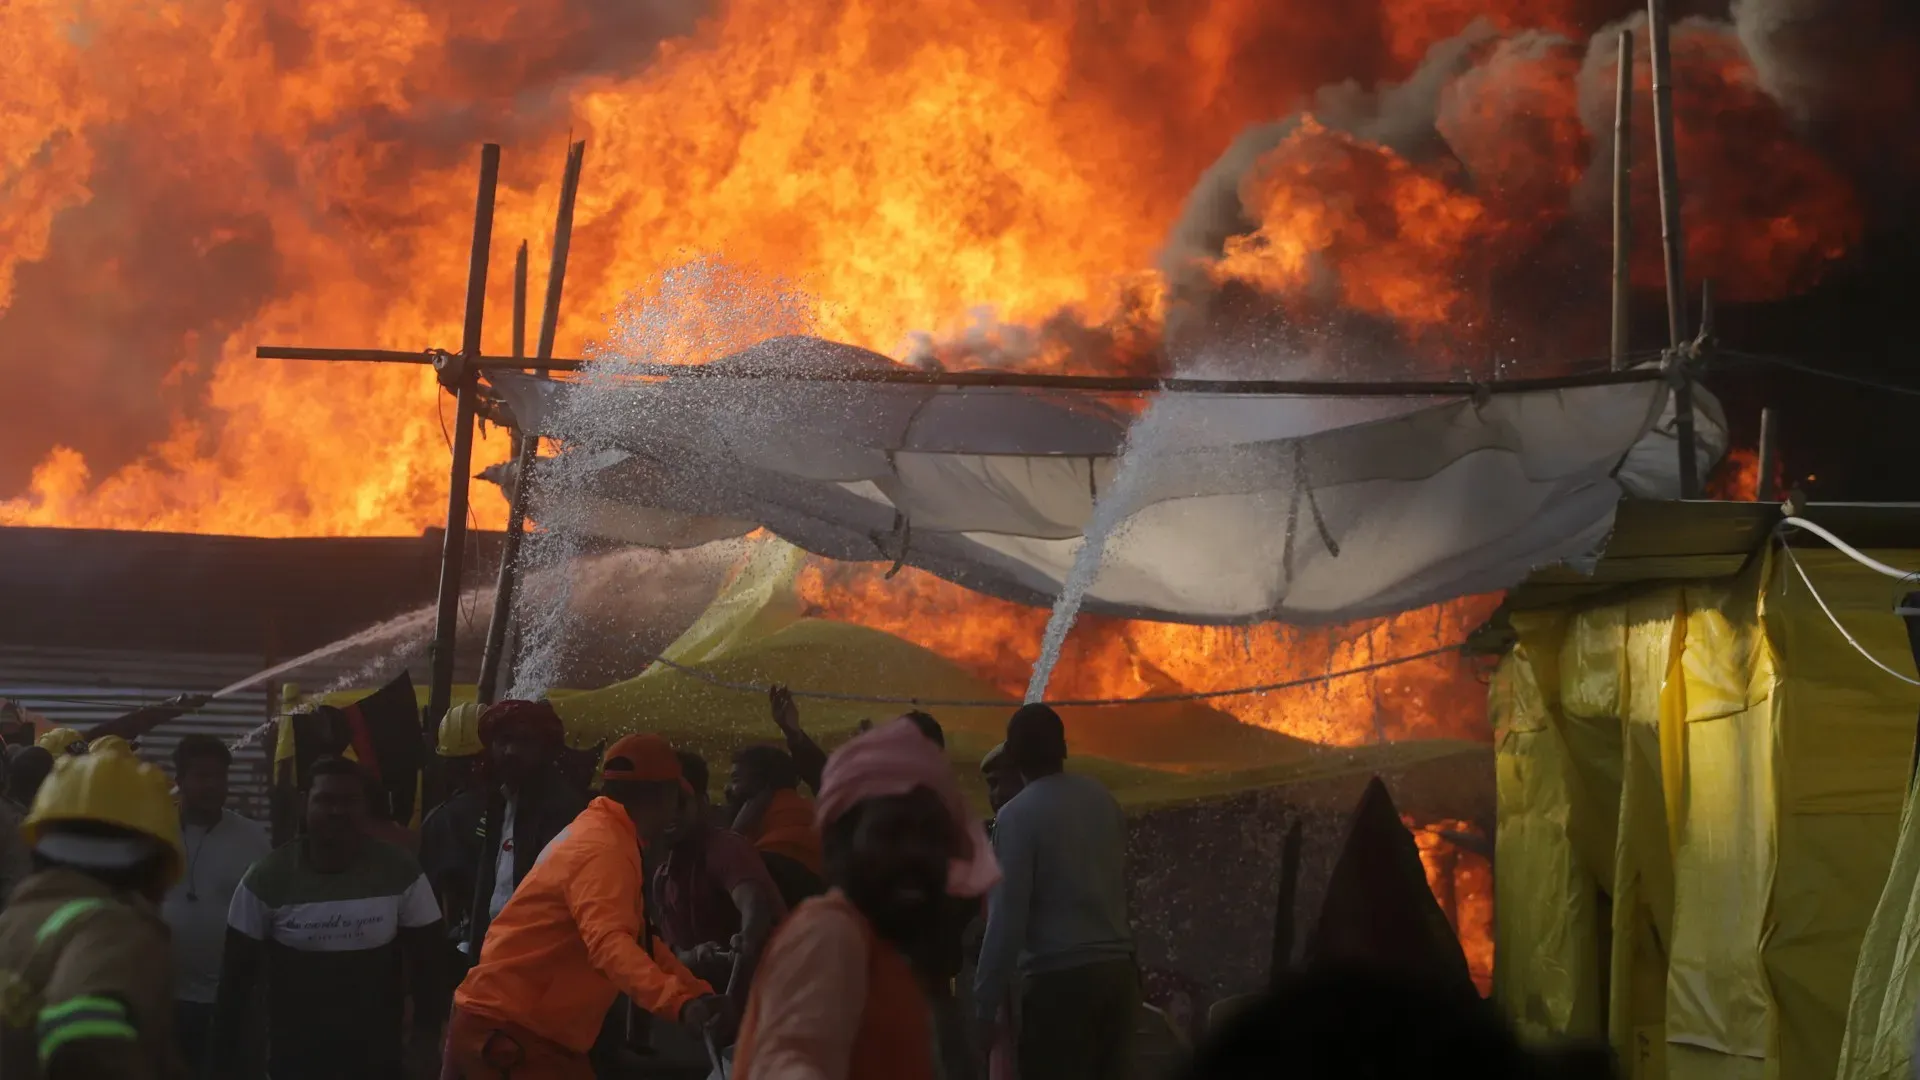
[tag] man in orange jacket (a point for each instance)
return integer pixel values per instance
(574, 937)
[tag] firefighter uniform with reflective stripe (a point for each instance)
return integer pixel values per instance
(85, 983)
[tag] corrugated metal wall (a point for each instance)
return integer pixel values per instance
(78, 688)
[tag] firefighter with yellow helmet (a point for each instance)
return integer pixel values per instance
(62, 740)
(85, 965)
(110, 744)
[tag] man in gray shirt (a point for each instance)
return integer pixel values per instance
(1060, 914)
(220, 846)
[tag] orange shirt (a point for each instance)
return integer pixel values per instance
(787, 829)
(832, 1001)
(568, 943)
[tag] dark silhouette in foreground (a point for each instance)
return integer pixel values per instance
(1348, 1022)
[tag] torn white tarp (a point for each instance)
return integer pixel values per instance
(1243, 508)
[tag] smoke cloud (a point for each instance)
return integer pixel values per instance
(1517, 125)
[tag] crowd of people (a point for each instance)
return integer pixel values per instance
(830, 917)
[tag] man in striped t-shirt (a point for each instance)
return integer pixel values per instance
(325, 921)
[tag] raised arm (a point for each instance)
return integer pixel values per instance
(808, 759)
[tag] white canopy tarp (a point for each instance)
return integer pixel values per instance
(1237, 508)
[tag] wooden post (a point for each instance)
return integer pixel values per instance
(520, 302)
(460, 374)
(488, 691)
(1280, 961)
(1622, 198)
(527, 443)
(1670, 237)
(1663, 148)
(1769, 452)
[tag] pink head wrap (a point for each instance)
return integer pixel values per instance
(893, 759)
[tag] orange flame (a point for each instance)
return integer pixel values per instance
(978, 180)
(1462, 881)
(1738, 476)
(997, 642)
(179, 185)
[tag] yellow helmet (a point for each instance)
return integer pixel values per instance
(61, 740)
(460, 731)
(109, 743)
(108, 789)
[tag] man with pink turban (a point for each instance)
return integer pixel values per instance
(839, 993)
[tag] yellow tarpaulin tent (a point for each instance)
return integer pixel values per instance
(755, 632)
(1699, 790)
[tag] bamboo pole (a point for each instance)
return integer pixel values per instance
(1663, 148)
(1670, 236)
(488, 690)
(520, 302)
(462, 376)
(1099, 384)
(528, 442)
(1622, 198)
(1769, 454)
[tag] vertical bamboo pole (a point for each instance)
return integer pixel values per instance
(1663, 147)
(520, 302)
(1622, 198)
(488, 690)
(1670, 235)
(528, 442)
(1769, 454)
(462, 377)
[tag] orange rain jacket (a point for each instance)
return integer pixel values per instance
(569, 942)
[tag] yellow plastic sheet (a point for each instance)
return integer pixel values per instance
(1756, 772)
(756, 632)
(1718, 1013)
(1548, 932)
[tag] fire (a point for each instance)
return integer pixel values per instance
(1398, 258)
(1737, 478)
(1462, 881)
(971, 179)
(1116, 658)
(996, 641)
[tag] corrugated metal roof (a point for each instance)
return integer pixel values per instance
(78, 688)
(104, 589)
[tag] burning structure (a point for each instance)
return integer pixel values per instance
(1413, 187)
(1443, 209)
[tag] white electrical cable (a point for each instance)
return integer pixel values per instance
(1847, 549)
(1831, 617)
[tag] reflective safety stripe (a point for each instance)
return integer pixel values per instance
(64, 915)
(89, 1017)
(118, 1030)
(55, 1014)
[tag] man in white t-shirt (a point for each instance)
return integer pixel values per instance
(220, 845)
(521, 805)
